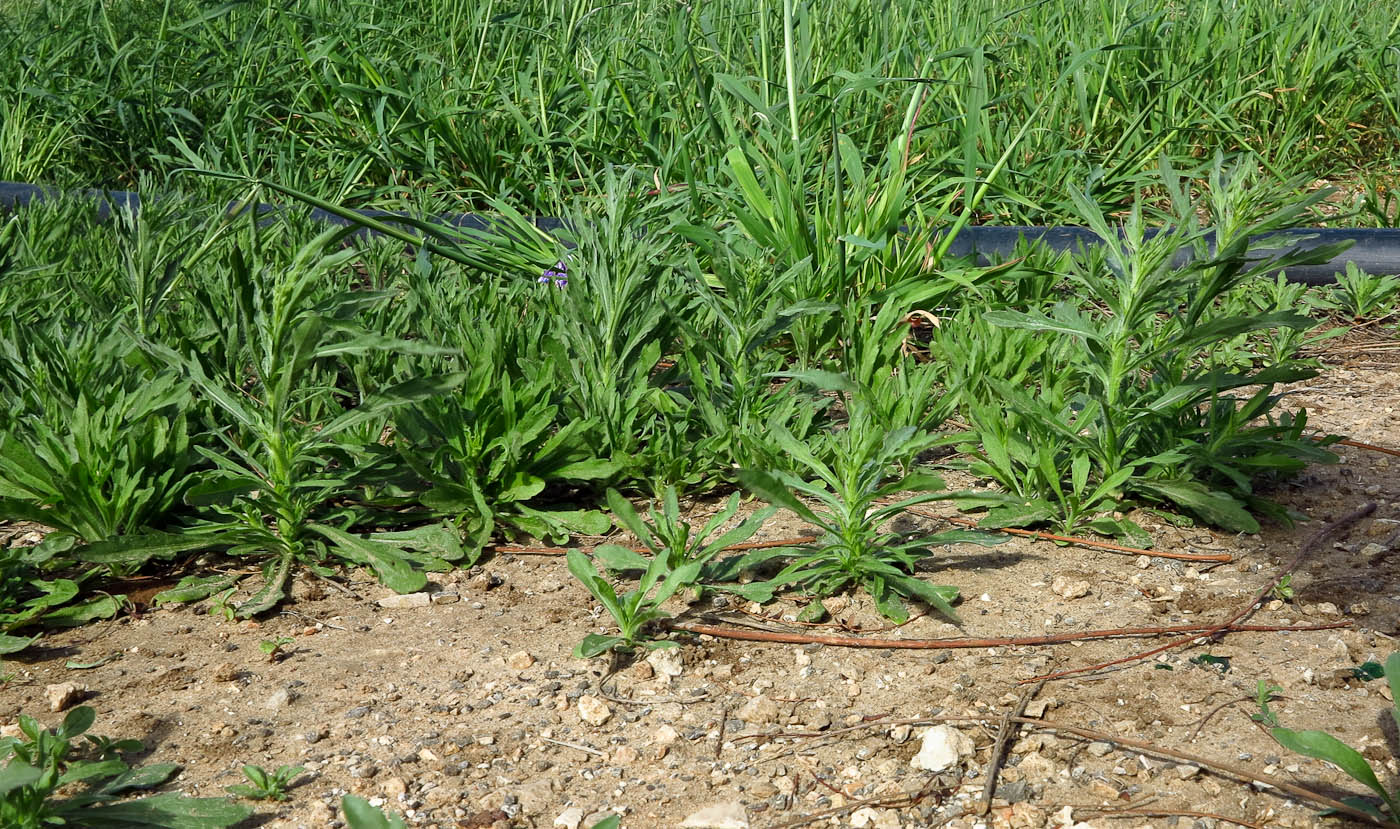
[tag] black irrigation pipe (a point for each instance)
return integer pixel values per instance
(1373, 251)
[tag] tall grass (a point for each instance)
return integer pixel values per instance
(526, 100)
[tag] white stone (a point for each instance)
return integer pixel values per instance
(941, 749)
(535, 796)
(570, 818)
(730, 815)
(406, 600)
(278, 700)
(667, 662)
(1069, 588)
(875, 818)
(759, 710)
(664, 736)
(593, 710)
(64, 695)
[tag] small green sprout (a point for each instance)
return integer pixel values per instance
(265, 785)
(1266, 692)
(272, 648)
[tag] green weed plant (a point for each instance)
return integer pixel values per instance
(97, 783)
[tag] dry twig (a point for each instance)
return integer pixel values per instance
(1223, 558)
(1304, 551)
(795, 638)
(998, 755)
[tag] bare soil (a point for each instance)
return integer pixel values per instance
(467, 711)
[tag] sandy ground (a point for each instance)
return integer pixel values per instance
(470, 711)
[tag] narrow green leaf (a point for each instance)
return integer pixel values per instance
(168, 811)
(620, 559)
(274, 589)
(15, 644)
(76, 615)
(138, 549)
(1215, 507)
(768, 488)
(360, 815)
(194, 588)
(1323, 746)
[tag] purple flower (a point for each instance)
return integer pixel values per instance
(559, 274)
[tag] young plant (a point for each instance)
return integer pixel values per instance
(634, 610)
(1146, 395)
(92, 443)
(29, 598)
(272, 648)
(41, 762)
(1362, 296)
(742, 312)
(492, 447)
(669, 538)
(265, 785)
(1029, 464)
(609, 326)
(1266, 692)
(1323, 746)
(278, 487)
(854, 548)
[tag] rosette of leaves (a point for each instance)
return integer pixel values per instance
(681, 558)
(667, 536)
(97, 783)
(733, 347)
(609, 327)
(492, 448)
(634, 610)
(94, 444)
(855, 548)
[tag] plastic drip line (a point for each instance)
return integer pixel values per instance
(1375, 251)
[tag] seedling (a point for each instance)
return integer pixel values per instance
(1266, 692)
(854, 548)
(272, 648)
(264, 785)
(219, 605)
(634, 610)
(1361, 295)
(668, 537)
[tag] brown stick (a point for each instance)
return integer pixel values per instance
(1304, 551)
(1102, 812)
(786, 638)
(1082, 542)
(1371, 446)
(999, 748)
(733, 548)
